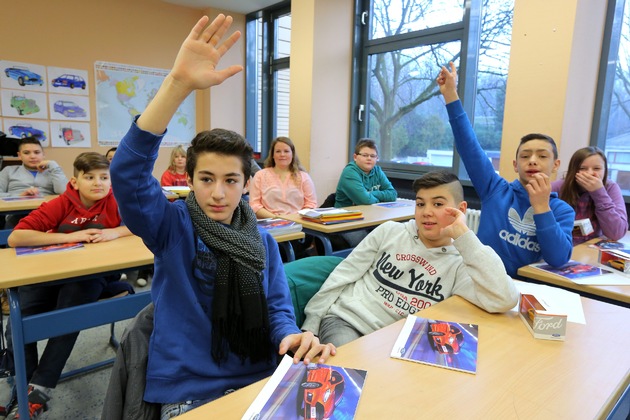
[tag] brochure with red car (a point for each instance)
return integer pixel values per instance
(316, 391)
(446, 344)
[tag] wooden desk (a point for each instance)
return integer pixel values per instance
(372, 216)
(9, 207)
(583, 253)
(181, 192)
(18, 207)
(92, 260)
(518, 377)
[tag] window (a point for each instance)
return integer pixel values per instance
(268, 57)
(611, 127)
(401, 46)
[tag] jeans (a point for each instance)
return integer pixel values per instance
(175, 409)
(335, 330)
(43, 298)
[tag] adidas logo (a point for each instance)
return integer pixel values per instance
(525, 227)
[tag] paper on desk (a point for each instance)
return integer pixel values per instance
(559, 300)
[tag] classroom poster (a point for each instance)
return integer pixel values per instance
(124, 91)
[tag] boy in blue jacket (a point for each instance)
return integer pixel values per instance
(523, 221)
(222, 304)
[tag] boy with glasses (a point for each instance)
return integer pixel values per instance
(362, 182)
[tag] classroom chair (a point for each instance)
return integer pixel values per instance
(305, 276)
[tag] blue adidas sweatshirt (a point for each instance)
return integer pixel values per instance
(508, 223)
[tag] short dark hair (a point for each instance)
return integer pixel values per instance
(223, 142)
(28, 140)
(88, 161)
(436, 178)
(538, 136)
(113, 149)
(365, 143)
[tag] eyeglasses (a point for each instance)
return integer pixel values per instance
(367, 155)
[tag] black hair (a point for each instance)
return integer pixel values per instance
(223, 142)
(441, 177)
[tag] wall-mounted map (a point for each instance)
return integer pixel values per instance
(124, 91)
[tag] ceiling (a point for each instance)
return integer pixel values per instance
(237, 6)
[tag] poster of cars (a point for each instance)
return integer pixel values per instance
(24, 104)
(23, 76)
(124, 91)
(28, 128)
(70, 134)
(68, 81)
(68, 107)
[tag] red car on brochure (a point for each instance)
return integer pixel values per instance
(320, 392)
(445, 338)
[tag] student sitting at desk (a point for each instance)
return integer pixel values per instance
(282, 187)
(175, 174)
(362, 181)
(85, 212)
(523, 220)
(222, 306)
(402, 268)
(593, 196)
(35, 176)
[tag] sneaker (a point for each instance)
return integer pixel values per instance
(123, 277)
(37, 402)
(141, 282)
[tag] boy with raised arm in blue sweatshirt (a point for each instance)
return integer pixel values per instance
(523, 221)
(222, 304)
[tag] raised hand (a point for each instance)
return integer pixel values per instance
(196, 63)
(447, 81)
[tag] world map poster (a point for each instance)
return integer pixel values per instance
(124, 91)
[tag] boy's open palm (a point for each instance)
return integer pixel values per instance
(196, 63)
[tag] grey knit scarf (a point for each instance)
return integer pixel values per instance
(240, 317)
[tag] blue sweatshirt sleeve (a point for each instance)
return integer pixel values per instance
(141, 201)
(482, 174)
(553, 230)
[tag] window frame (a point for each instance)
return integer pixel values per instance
(261, 135)
(606, 74)
(467, 31)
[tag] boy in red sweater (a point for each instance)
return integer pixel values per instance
(85, 212)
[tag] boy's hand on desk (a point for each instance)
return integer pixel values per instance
(86, 235)
(30, 191)
(105, 235)
(307, 346)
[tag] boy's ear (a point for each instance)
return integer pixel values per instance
(246, 186)
(515, 167)
(73, 182)
(556, 165)
(189, 181)
(463, 206)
